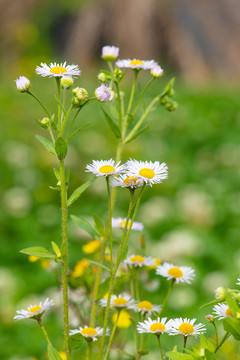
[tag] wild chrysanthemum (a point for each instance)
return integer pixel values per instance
(222, 311)
(34, 311)
(58, 70)
(22, 83)
(90, 333)
(121, 223)
(157, 327)
(119, 302)
(105, 167)
(186, 327)
(136, 64)
(145, 307)
(148, 171)
(127, 181)
(156, 71)
(157, 262)
(103, 93)
(138, 260)
(179, 273)
(110, 53)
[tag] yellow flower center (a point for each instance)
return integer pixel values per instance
(35, 308)
(228, 312)
(120, 301)
(91, 246)
(176, 272)
(157, 327)
(147, 173)
(137, 258)
(58, 70)
(136, 62)
(107, 169)
(131, 180)
(89, 331)
(123, 223)
(145, 305)
(186, 328)
(157, 262)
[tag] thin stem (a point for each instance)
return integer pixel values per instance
(137, 284)
(52, 136)
(184, 343)
(166, 296)
(44, 331)
(119, 106)
(110, 222)
(216, 332)
(112, 335)
(89, 351)
(135, 330)
(64, 257)
(59, 102)
(39, 101)
(72, 123)
(226, 336)
(160, 346)
(65, 120)
(142, 94)
(125, 120)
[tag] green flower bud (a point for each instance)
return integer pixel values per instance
(171, 106)
(102, 77)
(45, 122)
(118, 74)
(80, 93)
(220, 293)
(210, 318)
(67, 82)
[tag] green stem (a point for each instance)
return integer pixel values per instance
(44, 331)
(137, 284)
(39, 101)
(142, 94)
(184, 343)
(65, 120)
(110, 222)
(112, 335)
(119, 106)
(59, 102)
(226, 336)
(125, 120)
(216, 332)
(52, 136)
(135, 329)
(166, 296)
(89, 351)
(160, 346)
(64, 257)
(72, 123)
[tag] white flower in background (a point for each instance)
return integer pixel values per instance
(127, 181)
(120, 301)
(90, 333)
(121, 223)
(105, 167)
(110, 53)
(58, 70)
(221, 311)
(22, 84)
(150, 172)
(180, 274)
(145, 307)
(34, 311)
(157, 327)
(104, 93)
(238, 283)
(136, 64)
(138, 260)
(156, 71)
(186, 327)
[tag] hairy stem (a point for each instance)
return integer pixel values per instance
(112, 335)
(44, 331)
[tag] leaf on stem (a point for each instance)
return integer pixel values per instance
(233, 326)
(168, 87)
(214, 302)
(61, 148)
(209, 355)
(53, 354)
(98, 225)
(99, 264)
(232, 304)
(84, 224)
(56, 249)
(75, 195)
(206, 344)
(107, 74)
(103, 288)
(112, 125)
(47, 144)
(38, 251)
(77, 131)
(75, 341)
(135, 135)
(178, 356)
(56, 173)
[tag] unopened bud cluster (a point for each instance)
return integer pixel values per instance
(67, 82)
(80, 95)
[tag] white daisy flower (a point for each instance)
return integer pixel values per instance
(110, 53)
(150, 172)
(121, 223)
(221, 311)
(157, 327)
(136, 64)
(90, 333)
(145, 307)
(22, 84)
(156, 71)
(118, 302)
(180, 274)
(34, 311)
(127, 181)
(186, 327)
(238, 283)
(105, 167)
(58, 70)
(104, 93)
(138, 260)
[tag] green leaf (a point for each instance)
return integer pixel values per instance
(214, 302)
(75, 341)
(98, 225)
(57, 188)
(67, 176)
(99, 264)
(232, 304)
(61, 148)
(107, 73)
(56, 173)
(56, 249)
(53, 354)
(168, 87)
(77, 131)
(38, 251)
(112, 125)
(47, 144)
(103, 288)
(209, 355)
(206, 344)
(178, 356)
(124, 254)
(85, 226)
(233, 326)
(75, 195)
(134, 136)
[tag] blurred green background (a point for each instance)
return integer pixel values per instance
(191, 219)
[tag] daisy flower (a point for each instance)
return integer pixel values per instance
(186, 327)
(180, 274)
(22, 84)
(148, 171)
(127, 181)
(157, 327)
(146, 307)
(121, 223)
(90, 333)
(138, 260)
(105, 167)
(222, 311)
(58, 70)
(119, 302)
(156, 71)
(34, 311)
(103, 93)
(157, 262)
(110, 53)
(238, 283)
(136, 64)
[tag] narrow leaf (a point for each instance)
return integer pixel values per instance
(99, 264)
(232, 304)
(47, 144)
(178, 356)
(98, 224)
(61, 148)
(134, 136)
(112, 125)
(214, 302)
(84, 224)
(53, 354)
(77, 131)
(233, 326)
(209, 355)
(103, 288)
(56, 249)
(57, 188)
(107, 73)
(75, 195)
(75, 341)
(168, 87)
(38, 251)
(56, 173)
(124, 254)
(206, 344)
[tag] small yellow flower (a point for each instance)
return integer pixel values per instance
(80, 268)
(91, 246)
(32, 258)
(124, 320)
(45, 263)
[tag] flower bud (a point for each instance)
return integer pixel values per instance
(210, 318)
(103, 93)
(118, 73)
(22, 84)
(67, 82)
(156, 72)
(171, 106)
(102, 77)
(80, 93)
(220, 293)
(45, 122)
(110, 53)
